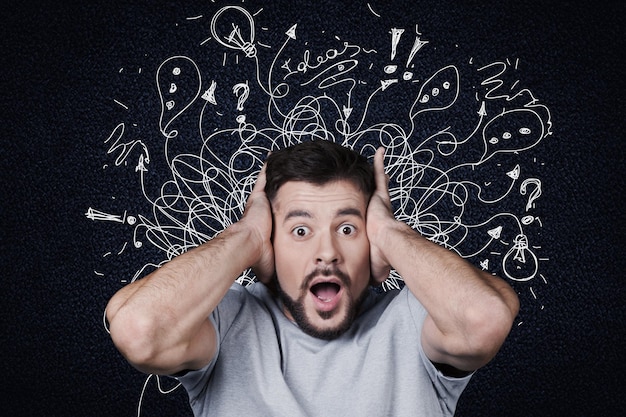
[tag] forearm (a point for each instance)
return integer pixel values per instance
(157, 318)
(471, 310)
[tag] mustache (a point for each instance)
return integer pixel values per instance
(325, 272)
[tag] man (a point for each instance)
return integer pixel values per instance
(312, 337)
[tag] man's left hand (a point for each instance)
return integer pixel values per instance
(379, 218)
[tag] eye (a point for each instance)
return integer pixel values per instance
(347, 229)
(300, 231)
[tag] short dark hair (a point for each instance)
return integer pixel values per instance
(318, 162)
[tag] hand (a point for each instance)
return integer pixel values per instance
(258, 218)
(379, 217)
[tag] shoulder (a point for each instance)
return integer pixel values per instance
(253, 297)
(237, 299)
(395, 310)
(377, 298)
(394, 299)
(239, 292)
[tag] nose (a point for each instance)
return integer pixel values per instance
(327, 250)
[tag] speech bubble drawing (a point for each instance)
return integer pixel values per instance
(512, 131)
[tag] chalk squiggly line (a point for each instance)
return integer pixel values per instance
(208, 188)
(448, 182)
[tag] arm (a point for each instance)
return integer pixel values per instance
(160, 323)
(470, 312)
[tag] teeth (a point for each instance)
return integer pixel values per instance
(324, 299)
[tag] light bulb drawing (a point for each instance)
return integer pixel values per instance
(441, 173)
(520, 263)
(234, 39)
(452, 153)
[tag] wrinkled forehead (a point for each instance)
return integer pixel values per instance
(300, 195)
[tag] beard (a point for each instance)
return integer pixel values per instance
(299, 314)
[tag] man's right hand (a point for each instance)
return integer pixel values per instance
(258, 218)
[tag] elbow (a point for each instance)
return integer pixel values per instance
(134, 337)
(491, 324)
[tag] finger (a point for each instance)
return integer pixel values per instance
(259, 185)
(379, 170)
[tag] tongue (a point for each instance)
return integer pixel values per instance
(325, 291)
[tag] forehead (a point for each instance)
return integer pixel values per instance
(330, 197)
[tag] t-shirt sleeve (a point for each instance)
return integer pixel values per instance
(448, 388)
(222, 318)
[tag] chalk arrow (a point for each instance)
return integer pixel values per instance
(209, 95)
(292, 32)
(94, 214)
(347, 111)
(482, 111)
(141, 163)
(495, 233)
(514, 173)
(386, 83)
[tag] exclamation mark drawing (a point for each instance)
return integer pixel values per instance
(396, 34)
(417, 45)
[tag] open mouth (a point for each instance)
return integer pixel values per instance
(325, 291)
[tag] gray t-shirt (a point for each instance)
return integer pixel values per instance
(266, 366)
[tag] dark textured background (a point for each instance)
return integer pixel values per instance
(59, 74)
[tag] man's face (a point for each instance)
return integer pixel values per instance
(321, 253)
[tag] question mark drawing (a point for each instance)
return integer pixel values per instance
(241, 90)
(533, 195)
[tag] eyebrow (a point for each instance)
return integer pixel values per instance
(297, 213)
(348, 211)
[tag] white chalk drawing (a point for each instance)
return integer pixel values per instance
(459, 181)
